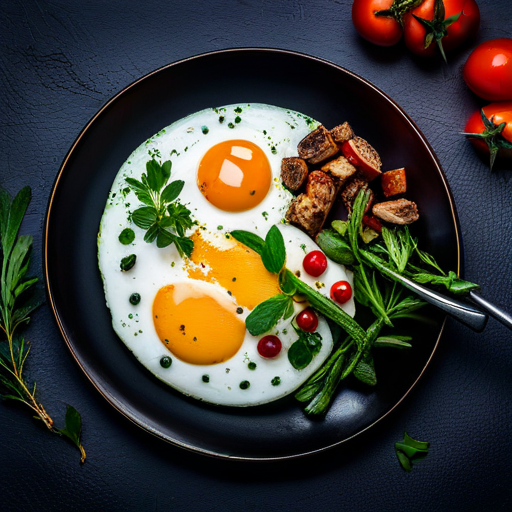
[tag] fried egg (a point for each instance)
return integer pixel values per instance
(188, 328)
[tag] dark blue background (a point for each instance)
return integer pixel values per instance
(60, 62)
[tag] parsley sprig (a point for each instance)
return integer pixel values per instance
(17, 302)
(163, 217)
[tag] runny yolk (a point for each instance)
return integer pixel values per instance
(195, 326)
(234, 175)
(238, 270)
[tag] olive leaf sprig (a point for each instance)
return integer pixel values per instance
(15, 308)
(163, 217)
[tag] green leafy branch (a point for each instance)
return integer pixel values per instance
(16, 305)
(163, 217)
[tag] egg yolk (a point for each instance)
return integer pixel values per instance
(237, 269)
(195, 326)
(234, 175)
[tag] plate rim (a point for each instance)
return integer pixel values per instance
(104, 392)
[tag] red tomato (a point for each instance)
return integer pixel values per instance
(269, 346)
(450, 36)
(315, 263)
(488, 70)
(380, 30)
(307, 320)
(493, 143)
(355, 158)
(341, 292)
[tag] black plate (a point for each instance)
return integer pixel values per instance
(312, 86)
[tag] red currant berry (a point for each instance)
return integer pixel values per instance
(341, 292)
(315, 263)
(307, 320)
(269, 346)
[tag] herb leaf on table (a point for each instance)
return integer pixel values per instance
(16, 305)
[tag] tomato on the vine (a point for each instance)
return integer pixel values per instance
(490, 130)
(378, 29)
(488, 70)
(446, 24)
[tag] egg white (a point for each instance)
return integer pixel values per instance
(277, 131)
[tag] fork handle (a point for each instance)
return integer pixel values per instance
(493, 310)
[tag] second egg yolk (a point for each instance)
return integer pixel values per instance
(234, 175)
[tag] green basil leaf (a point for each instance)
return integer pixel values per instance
(273, 255)
(419, 445)
(152, 233)
(154, 175)
(144, 217)
(164, 239)
(299, 354)
(288, 312)
(172, 191)
(404, 460)
(166, 170)
(249, 239)
(266, 314)
(184, 246)
(127, 236)
(136, 185)
(73, 429)
(128, 262)
(335, 247)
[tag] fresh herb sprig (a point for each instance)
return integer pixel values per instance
(163, 217)
(16, 305)
(410, 451)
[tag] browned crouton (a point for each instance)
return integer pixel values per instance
(342, 133)
(309, 210)
(294, 172)
(340, 170)
(399, 211)
(394, 182)
(317, 146)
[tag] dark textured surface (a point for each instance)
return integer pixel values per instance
(61, 61)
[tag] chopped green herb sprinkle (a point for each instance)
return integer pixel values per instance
(206, 378)
(237, 119)
(127, 236)
(238, 110)
(252, 366)
(134, 298)
(205, 129)
(245, 384)
(221, 119)
(231, 125)
(128, 262)
(165, 362)
(275, 381)
(220, 227)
